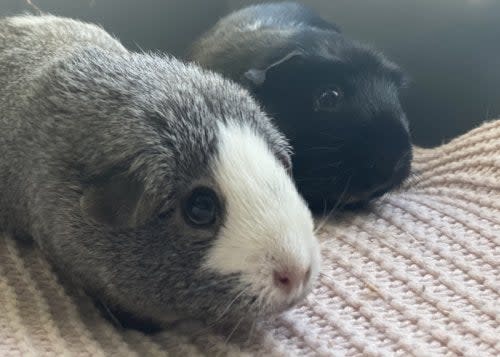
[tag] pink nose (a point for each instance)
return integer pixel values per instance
(290, 280)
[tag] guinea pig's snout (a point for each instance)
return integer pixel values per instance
(291, 279)
(384, 157)
(291, 274)
(385, 167)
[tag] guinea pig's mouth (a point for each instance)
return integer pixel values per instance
(260, 302)
(365, 197)
(348, 192)
(231, 302)
(248, 309)
(361, 200)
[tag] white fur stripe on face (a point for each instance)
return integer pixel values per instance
(268, 225)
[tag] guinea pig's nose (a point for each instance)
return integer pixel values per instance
(291, 279)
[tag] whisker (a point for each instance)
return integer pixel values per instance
(401, 160)
(413, 179)
(233, 331)
(335, 164)
(336, 138)
(231, 303)
(251, 332)
(337, 204)
(212, 284)
(35, 7)
(111, 315)
(141, 50)
(322, 148)
(219, 318)
(306, 179)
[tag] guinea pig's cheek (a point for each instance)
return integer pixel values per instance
(230, 254)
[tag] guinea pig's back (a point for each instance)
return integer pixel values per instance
(284, 15)
(28, 43)
(256, 36)
(29, 46)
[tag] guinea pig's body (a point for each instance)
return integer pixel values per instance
(157, 186)
(336, 100)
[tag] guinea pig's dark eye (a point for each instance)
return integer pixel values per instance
(328, 100)
(200, 209)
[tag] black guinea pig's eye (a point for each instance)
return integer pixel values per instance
(328, 100)
(200, 209)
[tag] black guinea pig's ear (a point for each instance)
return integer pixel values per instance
(257, 77)
(117, 201)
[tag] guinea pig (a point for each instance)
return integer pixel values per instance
(158, 187)
(337, 100)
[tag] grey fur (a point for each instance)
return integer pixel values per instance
(82, 119)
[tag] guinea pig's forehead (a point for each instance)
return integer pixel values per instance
(370, 62)
(353, 56)
(192, 145)
(197, 149)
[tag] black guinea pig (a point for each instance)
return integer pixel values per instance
(336, 99)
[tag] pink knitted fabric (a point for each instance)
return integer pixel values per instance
(418, 274)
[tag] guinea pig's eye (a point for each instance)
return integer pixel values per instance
(200, 209)
(328, 100)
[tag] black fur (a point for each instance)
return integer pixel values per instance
(286, 54)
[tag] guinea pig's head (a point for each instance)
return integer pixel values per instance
(199, 218)
(338, 102)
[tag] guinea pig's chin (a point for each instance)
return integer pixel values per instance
(265, 304)
(258, 296)
(356, 199)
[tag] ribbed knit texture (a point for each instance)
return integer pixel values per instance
(417, 274)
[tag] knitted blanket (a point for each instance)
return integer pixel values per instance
(417, 274)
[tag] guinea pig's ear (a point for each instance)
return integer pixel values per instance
(118, 201)
(257, 77)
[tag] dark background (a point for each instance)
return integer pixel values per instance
(450, 48)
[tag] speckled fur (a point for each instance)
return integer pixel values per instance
(76, 109)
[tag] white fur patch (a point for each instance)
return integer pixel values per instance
(268, 226)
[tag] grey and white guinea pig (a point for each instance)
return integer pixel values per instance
(161, 188)
(337, 100)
